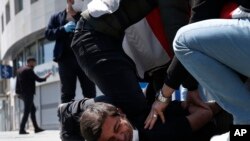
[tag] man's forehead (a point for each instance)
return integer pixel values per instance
(108, 127)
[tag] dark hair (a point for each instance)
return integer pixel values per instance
(93, 118)
(31, 58)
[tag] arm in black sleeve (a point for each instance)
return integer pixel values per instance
(190, 83)
(175, 14)
(54, 29)
(177, 75)
(206, 9)
(74, 109)
(35, 77)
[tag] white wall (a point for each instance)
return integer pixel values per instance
(31, 18)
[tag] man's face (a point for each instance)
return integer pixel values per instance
(32, 64)
(116, 128)
(71, 1)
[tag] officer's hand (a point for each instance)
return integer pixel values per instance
(70, 26)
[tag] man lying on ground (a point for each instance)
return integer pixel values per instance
(104, 122)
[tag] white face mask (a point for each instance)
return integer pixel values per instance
(78, 5)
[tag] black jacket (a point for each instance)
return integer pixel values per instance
(25, 81)
(245, 5)
(55, 31)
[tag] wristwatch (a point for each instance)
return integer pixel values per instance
(163, 99)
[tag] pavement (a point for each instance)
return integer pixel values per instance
(47, 135)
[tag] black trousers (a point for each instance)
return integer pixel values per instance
(29, 108)
(103, 60)
(69, 71)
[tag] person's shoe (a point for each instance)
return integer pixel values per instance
(37, 130)
(23, 132)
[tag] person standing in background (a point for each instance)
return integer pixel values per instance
(25, 88)
(61, 28)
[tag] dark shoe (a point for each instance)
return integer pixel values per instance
(39, 130)
(23, 132)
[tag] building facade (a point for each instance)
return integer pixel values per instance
(22, 26)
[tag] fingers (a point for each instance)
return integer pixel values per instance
(156, 111)
(162, 117)
(151, 119)
(148, 120)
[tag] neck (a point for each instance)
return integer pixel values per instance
(70, 10)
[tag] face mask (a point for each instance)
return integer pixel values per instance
(78, 5)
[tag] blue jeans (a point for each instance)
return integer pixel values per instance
(213, 51)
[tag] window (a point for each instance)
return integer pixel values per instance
(30, 51)
(32, 1)
(45, 51)
(7, 12)
(2, 23)
(19, 61)
(21, 58)
(18, 6)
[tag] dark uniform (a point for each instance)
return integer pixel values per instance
(69, 69)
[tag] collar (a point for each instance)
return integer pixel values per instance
(135, 135)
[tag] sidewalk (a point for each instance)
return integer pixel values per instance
(48, 135)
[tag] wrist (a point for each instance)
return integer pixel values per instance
(167, 91)
(161, 98)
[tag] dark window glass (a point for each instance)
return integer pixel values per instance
(2, 23)
(32, 1)
(30, 51)
(46, 51)
(7, 12)
(18, 6)
(20, 60)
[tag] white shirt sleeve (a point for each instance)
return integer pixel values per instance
(238, 13)
(98, 8)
